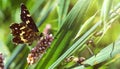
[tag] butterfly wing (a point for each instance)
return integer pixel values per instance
(16, 33)
(26, 18)
(26, 31)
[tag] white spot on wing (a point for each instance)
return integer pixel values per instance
(16, 28)
(23, 11)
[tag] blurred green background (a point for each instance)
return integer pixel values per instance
(56, 13)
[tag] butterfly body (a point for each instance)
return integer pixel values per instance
(26, 31)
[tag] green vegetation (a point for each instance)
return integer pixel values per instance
(81, 28)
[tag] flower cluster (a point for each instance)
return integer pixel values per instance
(41, 47)
(1, 61)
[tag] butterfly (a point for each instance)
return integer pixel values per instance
(26, 31)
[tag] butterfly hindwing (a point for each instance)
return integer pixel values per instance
(26, 31)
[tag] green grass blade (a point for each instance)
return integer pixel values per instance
(74, 46)
(86, 25)
(106, 10)
(62, 10)
(105, 14)
(14, 54)
(103, 55)
(71, 22)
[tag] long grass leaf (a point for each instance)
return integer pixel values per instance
(16, 51)
(62, 10)
(106, 10)
(75, 16)
(86, 25)
(77, 43)
(103, 55)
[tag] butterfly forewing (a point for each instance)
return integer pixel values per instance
(26, 18)
(26, 31)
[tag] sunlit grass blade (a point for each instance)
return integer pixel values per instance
(65, 35)
(75, 46)
(106, 7)
(103, 55)
(62, 10)
(113, 16)
(86, 25)
(106, 10)
(81, 42)
(115, 11)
